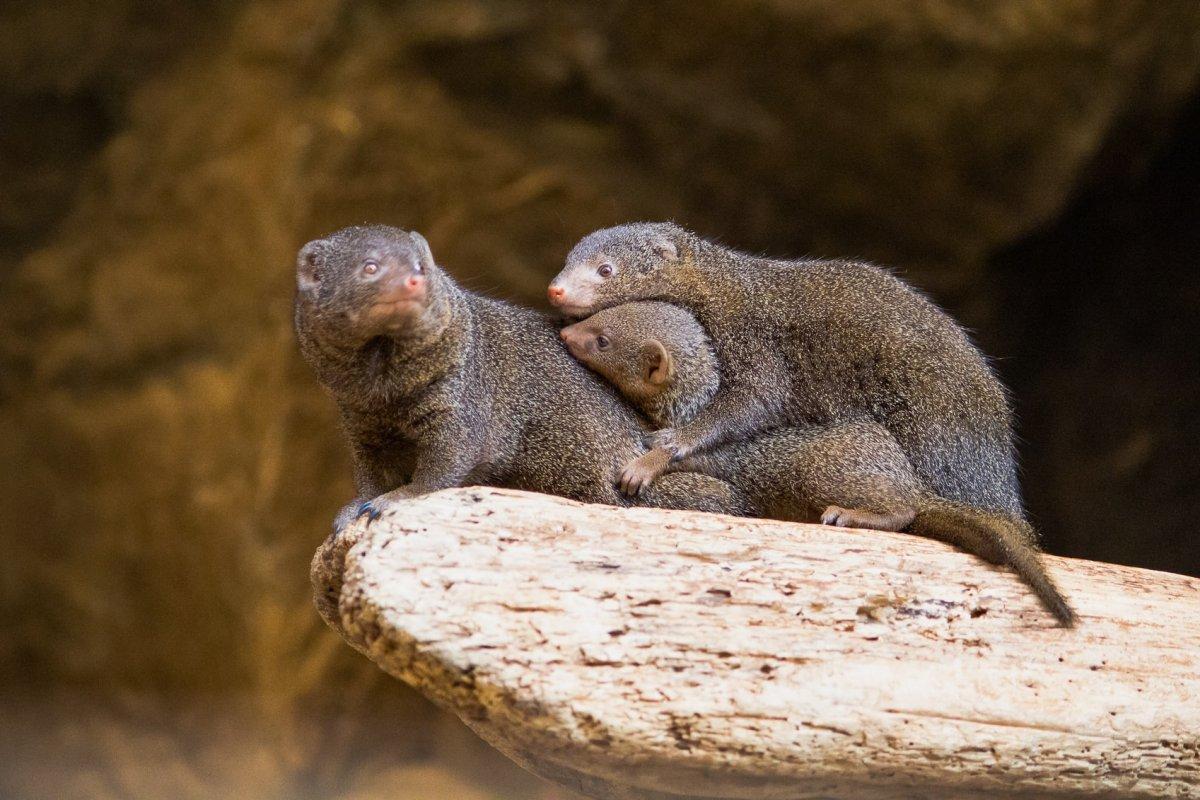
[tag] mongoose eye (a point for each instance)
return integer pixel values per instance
(370, 267)
(417, 268)
(602, 342)
(605, 270)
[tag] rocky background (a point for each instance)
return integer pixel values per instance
(170, 465)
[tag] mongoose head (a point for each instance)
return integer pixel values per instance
(641, 261)
(656, 354)
(367, 281)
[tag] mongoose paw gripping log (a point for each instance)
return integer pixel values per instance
(638, 474)
(369, 511)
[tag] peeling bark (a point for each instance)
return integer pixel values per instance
(640, 653)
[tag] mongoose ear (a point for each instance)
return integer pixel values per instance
(664, 248)
(658, 366)
(423, 251)
(308, 265)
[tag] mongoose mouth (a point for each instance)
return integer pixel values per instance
(394, 313)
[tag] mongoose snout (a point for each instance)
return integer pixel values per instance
(581, 342)
(575, 294)
(400, 297)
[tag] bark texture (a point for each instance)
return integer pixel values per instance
(639, 653)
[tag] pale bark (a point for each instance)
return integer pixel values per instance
(634, 653)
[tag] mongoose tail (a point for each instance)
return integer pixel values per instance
(996, 539)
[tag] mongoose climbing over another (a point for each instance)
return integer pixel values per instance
(851, 474)
(438, 387)
(803, 342)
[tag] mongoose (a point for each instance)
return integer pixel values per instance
(438, 387)
(802, 342)
(850, 474)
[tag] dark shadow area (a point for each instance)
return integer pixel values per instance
(47, 141)
(1098, 328)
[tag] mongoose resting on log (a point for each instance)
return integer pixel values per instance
(810, 341)
(850, 474)
(438, 387)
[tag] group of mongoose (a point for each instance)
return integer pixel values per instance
(806, 390)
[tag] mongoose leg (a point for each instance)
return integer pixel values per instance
(859, 518)
(731, 415)
(443, 463)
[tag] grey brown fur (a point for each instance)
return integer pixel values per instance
(658, 356)
(814, 342)
(439, 387)
(871, 410)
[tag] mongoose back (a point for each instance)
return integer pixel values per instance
(851, 474)
(438, 387)
(802, 342)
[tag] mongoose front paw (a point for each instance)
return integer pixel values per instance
(637, 474)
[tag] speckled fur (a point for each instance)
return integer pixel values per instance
(790, 473)
(802, 342)
(796, 473)
(471, 391)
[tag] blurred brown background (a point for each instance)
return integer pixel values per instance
(169, 465)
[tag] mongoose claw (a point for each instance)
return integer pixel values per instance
(639, 473)
(369, 511)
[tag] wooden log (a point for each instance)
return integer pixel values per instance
(640, 653)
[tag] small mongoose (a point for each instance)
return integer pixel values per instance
(439, 387)
(850, 474)
(803, 342)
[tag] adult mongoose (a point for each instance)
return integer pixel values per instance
(439, 387)
(847, 473)
(802, 342)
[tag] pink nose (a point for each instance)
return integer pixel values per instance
(409, 288)
(557, 294)
(568, 335)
